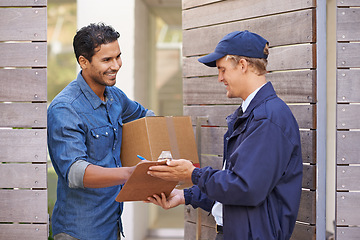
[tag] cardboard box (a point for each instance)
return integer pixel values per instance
(149, 136)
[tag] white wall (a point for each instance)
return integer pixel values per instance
(120, 15)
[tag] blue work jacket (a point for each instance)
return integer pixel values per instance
(260, 187)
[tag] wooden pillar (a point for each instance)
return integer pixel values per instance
(23, 103)
(290, 27)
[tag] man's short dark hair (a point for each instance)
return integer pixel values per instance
(88, 38)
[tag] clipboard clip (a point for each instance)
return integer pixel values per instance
(165, 155)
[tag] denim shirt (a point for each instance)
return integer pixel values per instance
(82, 127)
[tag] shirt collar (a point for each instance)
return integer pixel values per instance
(248, 100)
(94, 100)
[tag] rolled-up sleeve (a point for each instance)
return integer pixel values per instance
(76, 174)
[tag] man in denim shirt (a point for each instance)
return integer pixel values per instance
(84, 138)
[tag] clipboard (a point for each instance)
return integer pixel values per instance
(141, 185)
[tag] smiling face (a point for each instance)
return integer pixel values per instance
(102, 69)
(232, 76)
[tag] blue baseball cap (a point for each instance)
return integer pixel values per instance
(241, 43)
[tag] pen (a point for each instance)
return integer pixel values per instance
(141, 158)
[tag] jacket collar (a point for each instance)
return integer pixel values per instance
(265, 93)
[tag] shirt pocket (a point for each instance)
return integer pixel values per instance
(100, 142)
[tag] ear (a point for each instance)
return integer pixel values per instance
(83, 62)
(243, 65)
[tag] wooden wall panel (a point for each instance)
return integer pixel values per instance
(214, 143)
(23, 231)
(191, 231)
(206, 90)
(23, 3)
(216, 114)
(309, 177)
(348, 28)
(280, 59)
(23, 175)
(23, 206)
(28, 115)
(348, 3)
(23, 97)
(23, 145)
(230, 11)
(304, 231)
(348, 151)
(307, 210)
(348, 110)
(292, 87)
(348, 210)
(23, 85)
(347, 55)
(194, 3)
(348, 233)
(348, 85)
(348, 116)
(292, 57)
(273, 28)
(308, 146)
(348, 178)
(295, 86)
(19, 24)
(191, 215)
(23, 54)
(292, 70)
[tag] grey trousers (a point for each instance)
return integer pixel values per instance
(64, 236)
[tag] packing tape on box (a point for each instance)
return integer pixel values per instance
(172, 137)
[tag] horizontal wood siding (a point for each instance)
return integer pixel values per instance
(23, 206)
(237, 10)
(194, 3)
(348, 150)
(27, 115)
(348, 124)
(23, 145)
(290, 27)
(23, 231)
(17, 175)
(25, 85)
(26, 24)
(23, 54)
(23, 3)
(347, 233)
(265, 26)
(23, 103)
(348, 85)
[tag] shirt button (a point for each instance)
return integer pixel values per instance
(113, 148)
(115, 129)
(106, 133)
(227, 138)
(97, 136)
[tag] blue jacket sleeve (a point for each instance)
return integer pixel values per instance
(196, 198)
